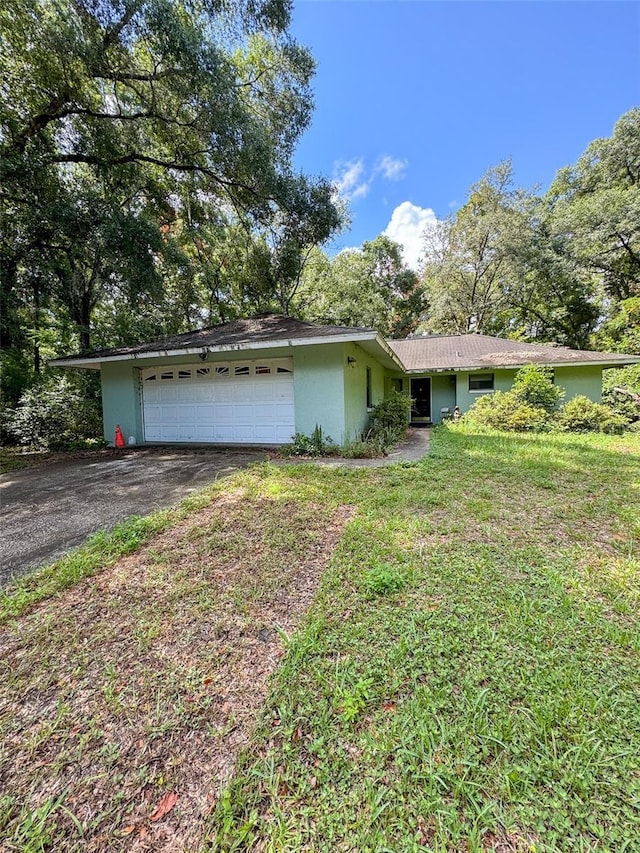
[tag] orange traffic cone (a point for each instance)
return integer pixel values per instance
(119, 442)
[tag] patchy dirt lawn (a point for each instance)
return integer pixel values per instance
(124, 701)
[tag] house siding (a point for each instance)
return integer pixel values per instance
(328, 391)
(355, 389)
(580, 380)
(503, 380)
(121, 400)
(319, 389)
(443, 394)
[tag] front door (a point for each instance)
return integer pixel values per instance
(421, 395)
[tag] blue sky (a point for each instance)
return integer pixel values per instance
(415, 100)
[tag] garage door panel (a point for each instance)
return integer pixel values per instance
(219, 404)
(285, 412)
(186, 393)
(224, 434)
(283, 434)
(264, 412)
(205, 432)
(169, 433)
(153, 433)
(224, 414)
(168, 414)
(243, 434)
(168, 394)
(205, 414)
(244, 413)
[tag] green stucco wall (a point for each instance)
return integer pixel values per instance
(318, 388)
(121, 400)
(355, 389)
(580, 380)
(465, 398)
(574, 380)
(329, 391)
(443, 394)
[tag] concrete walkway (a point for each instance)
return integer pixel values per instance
(411, 449)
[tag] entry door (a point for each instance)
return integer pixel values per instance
(421, 394)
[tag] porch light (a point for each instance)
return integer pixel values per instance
(351, 361)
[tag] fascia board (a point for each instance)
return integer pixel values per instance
(632, 359)
(222, 348)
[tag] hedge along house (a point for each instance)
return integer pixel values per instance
(259, 381)
(445, 371)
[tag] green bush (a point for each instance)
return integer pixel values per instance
(533, 386)
(505, 410)
(621, 403)
(316, 444)
(581, 414)
(390, 417)
(54, 415)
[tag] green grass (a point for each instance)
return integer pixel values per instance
(466, 678)
(102, 549)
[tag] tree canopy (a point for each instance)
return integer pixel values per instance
(559, 267)
(135, 137)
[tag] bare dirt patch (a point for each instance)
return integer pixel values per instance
(124, 702)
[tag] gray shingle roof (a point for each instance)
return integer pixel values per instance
(420, 354)
(264, 328)
(460, 352)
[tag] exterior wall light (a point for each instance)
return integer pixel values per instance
(351, 361)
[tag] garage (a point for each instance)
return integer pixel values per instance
(237, 402)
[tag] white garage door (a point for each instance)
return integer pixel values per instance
(249, 402)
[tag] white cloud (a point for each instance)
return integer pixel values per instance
(390, 168)
(349, 181)
(407, 226)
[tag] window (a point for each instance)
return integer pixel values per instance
(203, 371)
(369, 401)
(166, 374)
(184, 374)
(284, 370)
(150, 378)
(222, 370)
(481, 382)
(242, 371)
(262, 369)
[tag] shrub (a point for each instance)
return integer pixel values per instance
(627, 379)
(316, 444)
(54, 415)
(390, 417)
(581, 414)
(505, 410)
(533, 385)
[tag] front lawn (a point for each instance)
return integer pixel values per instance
(465, 678)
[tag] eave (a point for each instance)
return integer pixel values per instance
(370, 341)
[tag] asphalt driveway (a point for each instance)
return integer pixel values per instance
(50, 508)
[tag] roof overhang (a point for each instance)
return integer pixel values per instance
(370, 341)
(605, 363)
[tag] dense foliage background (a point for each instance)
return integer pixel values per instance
(148, 188)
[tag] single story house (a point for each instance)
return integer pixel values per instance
(260, 380)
